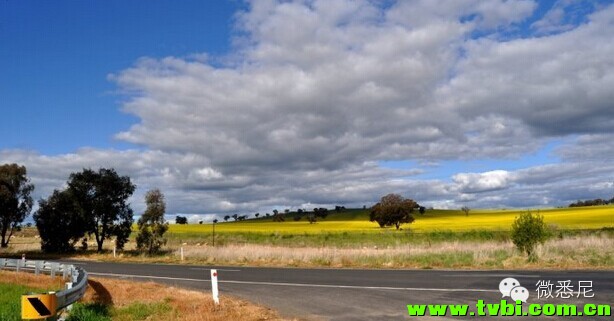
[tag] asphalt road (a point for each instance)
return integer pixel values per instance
(332, 294)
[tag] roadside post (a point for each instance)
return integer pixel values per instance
(214, 289)
(68, 287)
(213, 237)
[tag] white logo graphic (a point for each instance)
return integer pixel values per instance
(506, 286)
(520, 293)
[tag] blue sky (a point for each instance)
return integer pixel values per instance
(313, 102)
(55, 58)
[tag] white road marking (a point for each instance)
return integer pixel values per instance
(146, 277)
(357, 287)
(293, 284)
(492, 275)
(203, 269)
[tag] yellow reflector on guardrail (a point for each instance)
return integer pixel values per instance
(38, 306)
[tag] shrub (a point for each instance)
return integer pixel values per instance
(527, 231)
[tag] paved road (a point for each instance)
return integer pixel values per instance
(328, 294)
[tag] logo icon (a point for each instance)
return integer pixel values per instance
(511, 287)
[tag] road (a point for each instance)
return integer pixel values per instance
(333, 294)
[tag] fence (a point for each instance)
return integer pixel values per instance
(76, 276)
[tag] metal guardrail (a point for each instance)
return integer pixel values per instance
(76, 275)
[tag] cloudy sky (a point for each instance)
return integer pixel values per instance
(246, 106)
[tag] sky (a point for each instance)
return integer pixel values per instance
(249, 106)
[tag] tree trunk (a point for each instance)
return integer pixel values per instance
(5, 242)
(99, 241)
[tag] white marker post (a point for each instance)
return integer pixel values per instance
(68, 287)
(182, 253)
(214, 289)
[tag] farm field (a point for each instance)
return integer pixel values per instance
(595, 217)
(579, 238)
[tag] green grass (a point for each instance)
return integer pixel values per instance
(352, 228)
(10, 300)
(10, 308)
(132, 312)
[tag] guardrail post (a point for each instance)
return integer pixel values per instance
(53, 269)
(37, 267)
(68, 287)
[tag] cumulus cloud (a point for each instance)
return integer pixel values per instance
(482, 182)
(316, 93)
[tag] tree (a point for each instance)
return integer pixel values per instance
(256, 215)
(102, 196)
(317, 213)
(15, 200)
(466, 210)
(215, 221)
(527, 231)
(422, 210)
(60, 221)
(235, 217)
(181, 220)
(393, 210)
(226, 218)
(278, 217)
(151, 225)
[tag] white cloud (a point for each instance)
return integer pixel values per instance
(316, 93)
(483, 182)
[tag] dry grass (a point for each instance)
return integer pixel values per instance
(31, 280)
(184, 305)
(594, 251)
(569, 253)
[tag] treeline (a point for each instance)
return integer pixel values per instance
(595, 202)
(94, 204)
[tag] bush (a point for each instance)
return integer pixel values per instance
(527, 231)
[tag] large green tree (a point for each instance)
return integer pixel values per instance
(151, 224)
(60, 222)
(393, 210)
(103, 197)
(15, 200)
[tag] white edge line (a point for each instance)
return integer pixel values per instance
(294, 284)
(204, 269)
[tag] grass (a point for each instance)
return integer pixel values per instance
(14, 285)
(120, 300)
